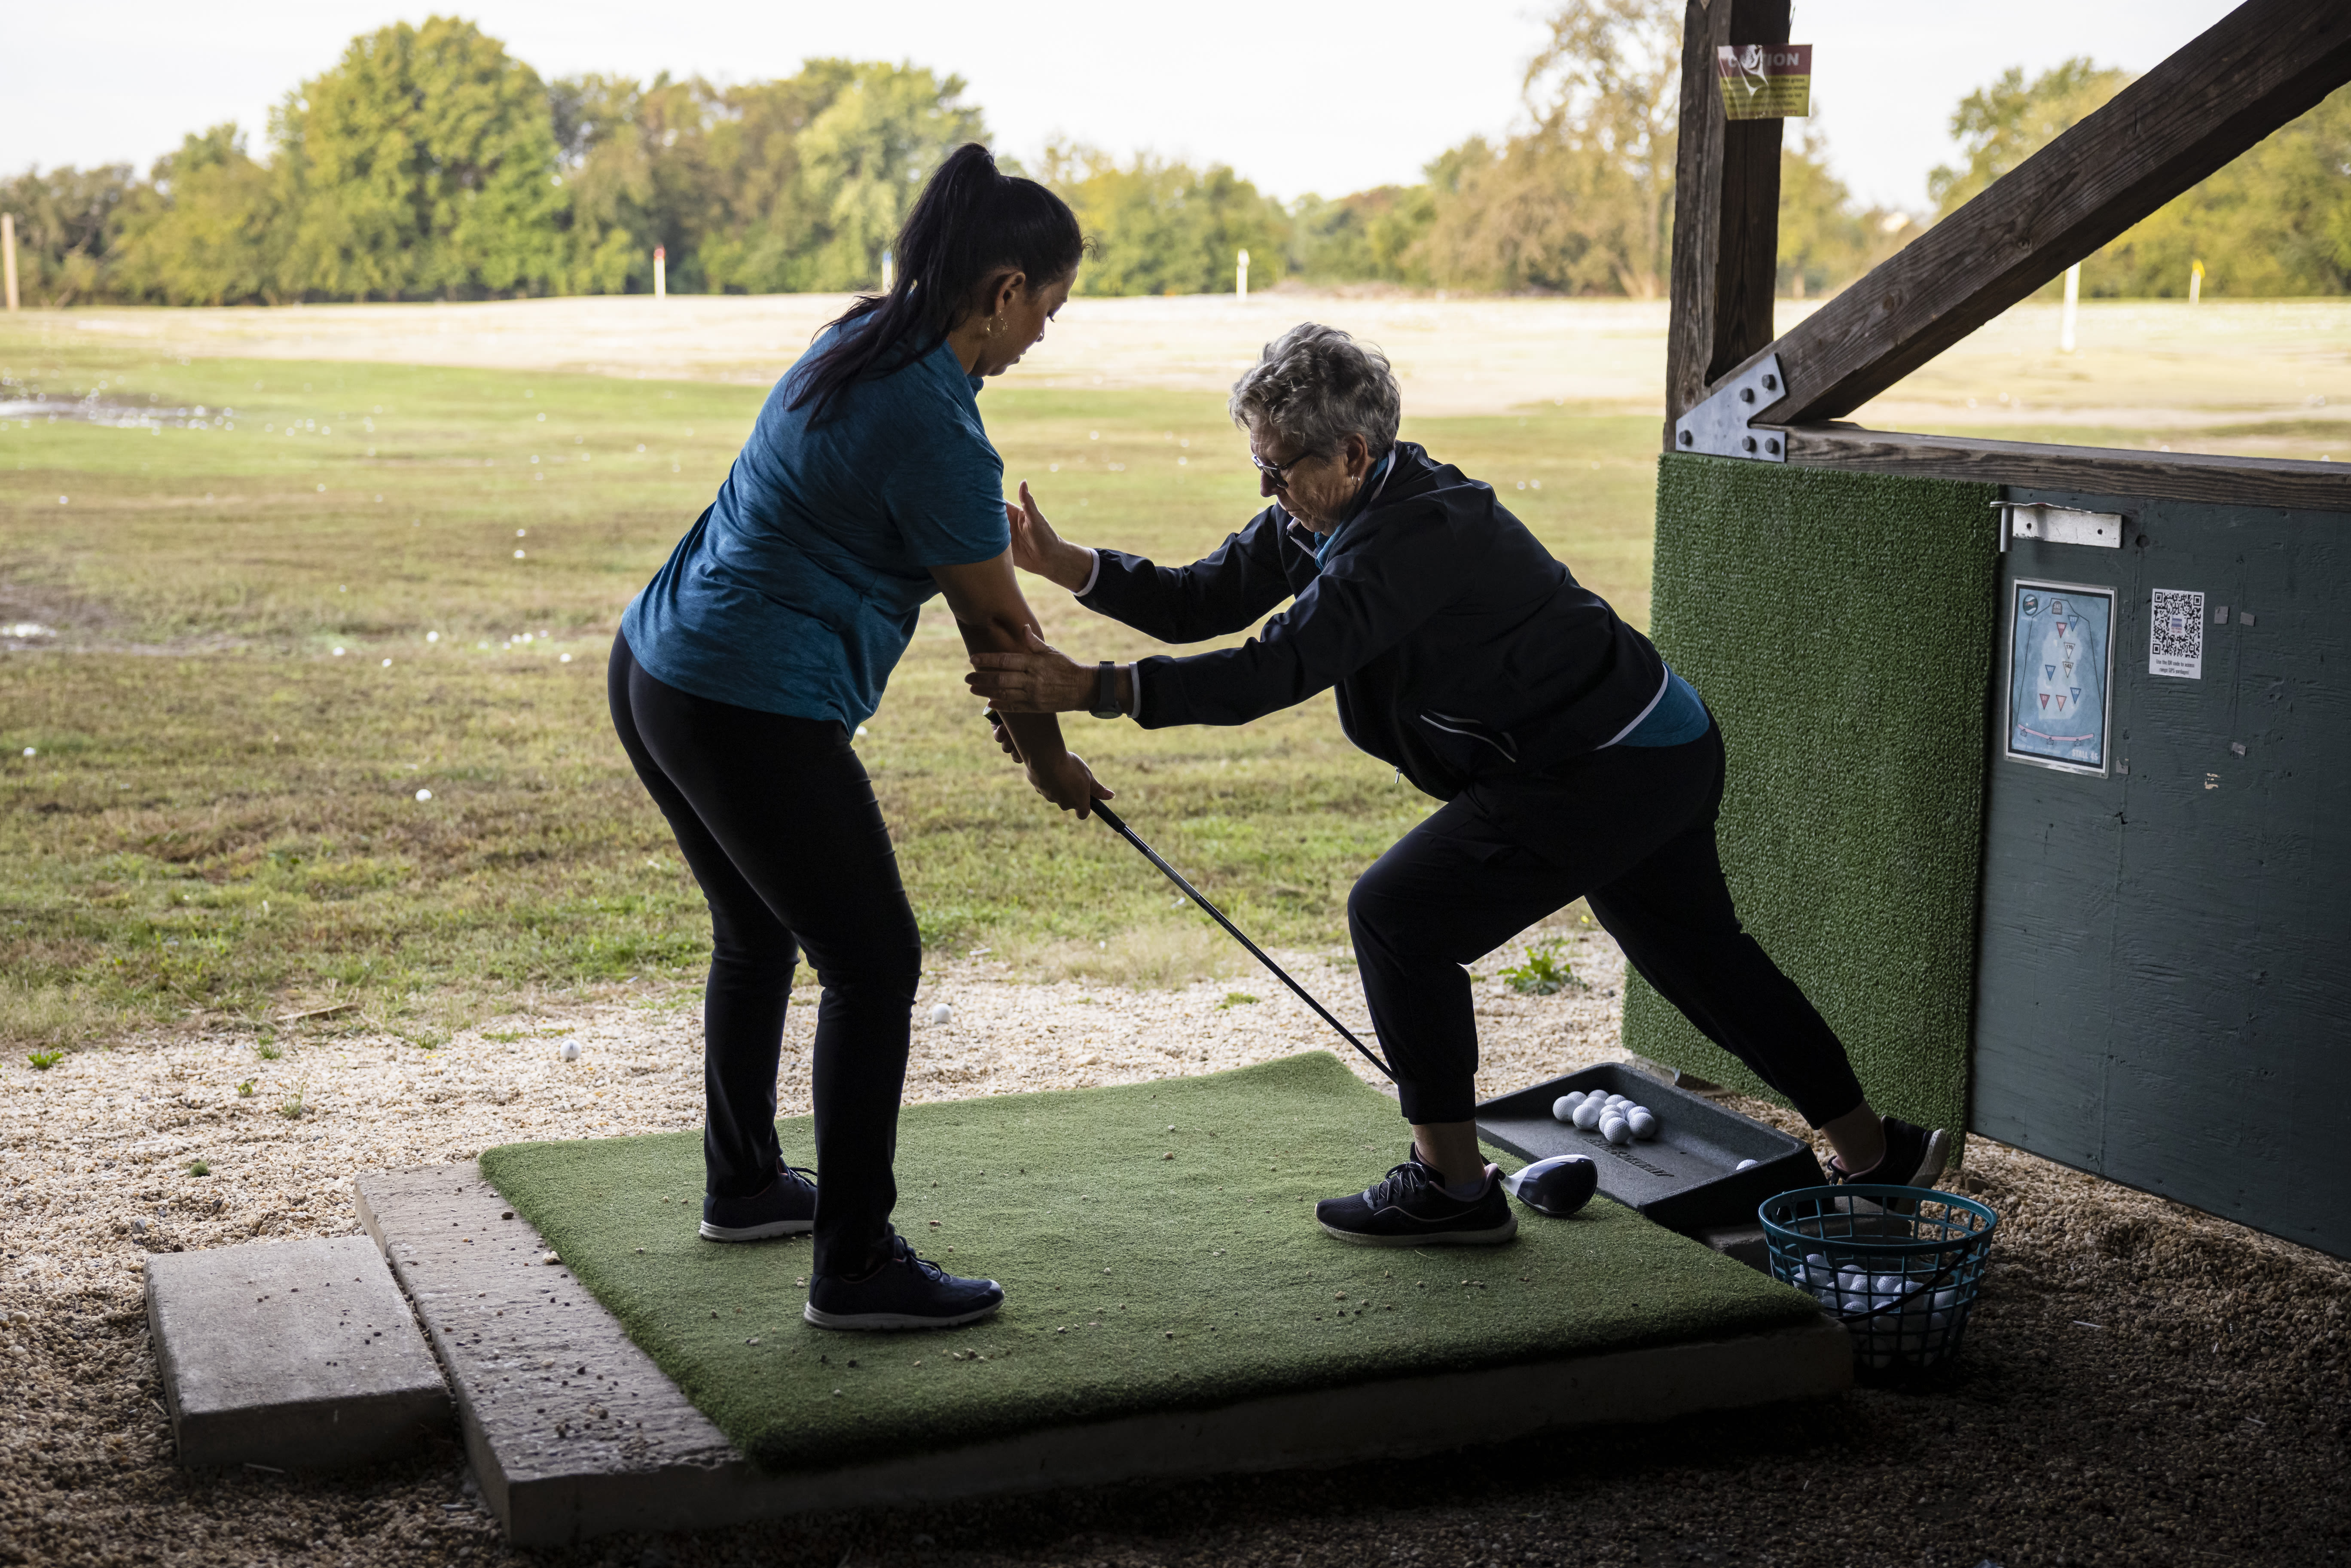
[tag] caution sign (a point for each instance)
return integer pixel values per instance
(1765, 81)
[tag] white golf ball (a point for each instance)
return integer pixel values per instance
(941, 1012)
(1748, 1166)
(1587, 1115)
(1852, 1281)
(1563, 1108)
(570, 1050)
(1946, 1297)
(1889, 1284)
(1616, 1130)
(425, 794)
(1645, 1126)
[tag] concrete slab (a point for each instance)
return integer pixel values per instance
(574, 1432)
(301, 1355)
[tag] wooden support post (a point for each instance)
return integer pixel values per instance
(1726, 209)
(2258, 68)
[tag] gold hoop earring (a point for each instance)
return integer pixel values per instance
(996, 324)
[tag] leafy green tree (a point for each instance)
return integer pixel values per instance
(424, 163)
(2276, 222)
(1162, 227)
(1370, 237)
(204, 229)
(65, 224)
(1584, 201)
(2001, 125)
(868, 152)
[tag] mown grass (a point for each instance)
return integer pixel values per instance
(219, 818)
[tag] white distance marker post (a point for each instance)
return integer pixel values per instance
(2195, 281)
(661, 272)
(8, 257)
(2072, 299)
(889, 271)
(1240, 277)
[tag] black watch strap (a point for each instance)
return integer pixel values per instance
(1106, 692)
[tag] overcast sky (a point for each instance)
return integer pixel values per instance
(1324, 96)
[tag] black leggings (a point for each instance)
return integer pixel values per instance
(776, 820)
(1630, 830)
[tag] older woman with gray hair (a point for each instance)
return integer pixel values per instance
(1572, 762)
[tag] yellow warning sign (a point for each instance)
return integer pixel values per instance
(1765, 81)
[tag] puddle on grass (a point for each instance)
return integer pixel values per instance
(92, 409)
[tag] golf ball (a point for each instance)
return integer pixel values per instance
(1563, 1108)
(941, 1012)
(1889, 1284)
(1587, 1115)
(569, 1051)
(1645, 1126)
(1616, 1130)
(1748, 1166)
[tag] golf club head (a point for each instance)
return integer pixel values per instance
(1557, 1186)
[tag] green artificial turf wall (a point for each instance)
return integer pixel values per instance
(1135, 1282)
(1841, 626)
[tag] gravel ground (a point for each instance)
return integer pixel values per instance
(2141, 1385)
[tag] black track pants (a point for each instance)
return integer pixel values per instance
(776, 820)
(1631, 831)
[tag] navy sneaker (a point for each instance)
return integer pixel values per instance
(787, 1208)
(903, 1291)
(1409, 1208)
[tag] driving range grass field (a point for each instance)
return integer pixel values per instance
(276, 623)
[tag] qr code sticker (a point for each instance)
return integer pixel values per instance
(2176, 634)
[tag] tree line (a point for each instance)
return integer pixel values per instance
(430, 164)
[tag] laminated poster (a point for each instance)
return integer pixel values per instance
(2060, 666)
(1765, 81)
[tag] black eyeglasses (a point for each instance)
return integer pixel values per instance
(1280, 472)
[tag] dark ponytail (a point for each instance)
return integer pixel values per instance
(968, 222)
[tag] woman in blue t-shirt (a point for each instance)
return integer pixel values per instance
(868, 484)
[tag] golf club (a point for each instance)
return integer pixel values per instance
(1118, 825)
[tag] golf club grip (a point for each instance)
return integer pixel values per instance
(1118, 824)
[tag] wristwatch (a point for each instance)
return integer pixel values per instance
(1106, 692)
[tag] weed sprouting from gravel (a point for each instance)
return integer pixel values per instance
(43, 1060)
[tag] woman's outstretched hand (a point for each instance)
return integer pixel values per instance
(1042, 680)
(1036, 548)
(1068, 782)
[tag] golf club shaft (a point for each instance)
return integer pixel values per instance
(1113, 821)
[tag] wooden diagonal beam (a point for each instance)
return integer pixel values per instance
(1726, 209)
(2260, 67)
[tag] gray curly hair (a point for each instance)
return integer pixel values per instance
(1314, 386)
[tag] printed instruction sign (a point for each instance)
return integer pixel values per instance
(2060, 668)
(1765, 81)
(2175, 634)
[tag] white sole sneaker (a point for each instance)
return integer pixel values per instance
(1494, 1237)
(868, 1321)
(766, 1232)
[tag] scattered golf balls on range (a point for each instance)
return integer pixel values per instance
(1612, 1116)
(941, 1012)
(569, 1051)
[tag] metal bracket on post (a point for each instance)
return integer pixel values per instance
(2058, 525)
(1719, 426)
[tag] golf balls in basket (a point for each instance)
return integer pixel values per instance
(941, 1012)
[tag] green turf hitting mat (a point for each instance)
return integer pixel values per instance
(1158, 1248)
(1841, 626)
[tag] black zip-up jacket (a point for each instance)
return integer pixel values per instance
(1460, 649)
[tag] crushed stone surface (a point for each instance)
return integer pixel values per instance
(2141, 1383)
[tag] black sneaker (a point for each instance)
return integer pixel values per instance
(1408, 1207)
(1913, 1156)
(787, 1208)
(903, 1292)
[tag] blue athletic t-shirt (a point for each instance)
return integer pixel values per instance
(797, 591)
